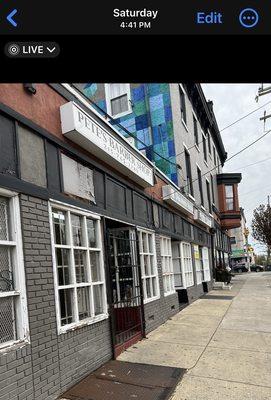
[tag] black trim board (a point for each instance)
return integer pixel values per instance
(64, 146)
(30, 189)
(228, 178)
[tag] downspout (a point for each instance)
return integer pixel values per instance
(147, 103)
(213, 252)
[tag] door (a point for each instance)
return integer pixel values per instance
(126, 288)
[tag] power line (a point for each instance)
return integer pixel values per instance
(234, 155)
(245, 116)
(226, 127)
(145, 145)
(252, 191)
(257, 162)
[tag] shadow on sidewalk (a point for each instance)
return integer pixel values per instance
(118, 380)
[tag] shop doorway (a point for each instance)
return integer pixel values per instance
(127, 310)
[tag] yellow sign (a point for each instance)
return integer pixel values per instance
(196, 252)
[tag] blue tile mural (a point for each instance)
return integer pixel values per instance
(150, 121)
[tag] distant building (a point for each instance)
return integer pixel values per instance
(242, 252)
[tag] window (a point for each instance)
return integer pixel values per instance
(200, 187)
(182, 264)
(214, 153)
(196, 136)
(218, 259)
(204, 147)
(233, 240)
(206, 265)
(187, 265)
(229, 197)
(33, 169)
(78, 267)
(189, 181)
(208, 196)
(183, 105)
(13, 307)
(148, 265)
(209, 142)
(177, 265)
(118, 99)
(226, 260)
(212, 187)
(198, 263)
(167, 265)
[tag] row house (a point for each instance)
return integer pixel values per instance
(101, 241)
(175, 127)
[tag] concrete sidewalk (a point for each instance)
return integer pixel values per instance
(223, 340)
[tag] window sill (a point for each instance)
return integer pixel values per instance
(169, 293)
(184, 124)
(189, 286)
(77, 325)
(191, 197)
(121, 114)
(13, 345)
(146, 301)
(197, 147)
(203, 208)
(205, 162)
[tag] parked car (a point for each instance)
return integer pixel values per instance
(240, 268)
(256, 268)
(268, 267)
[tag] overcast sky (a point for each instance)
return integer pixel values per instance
(232, 101)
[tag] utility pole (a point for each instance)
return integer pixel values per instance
(262, 92)
(246, 233)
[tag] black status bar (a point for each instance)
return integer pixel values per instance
(139, 17)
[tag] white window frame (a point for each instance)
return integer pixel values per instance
(167, 265)
(177, 264)
(19, 292)
(108, 99)
(148, 254)
(75, 285)
(198, 265)
(206, 264)
(187, 265)
(206, 147)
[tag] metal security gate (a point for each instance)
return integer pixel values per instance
(126, 288)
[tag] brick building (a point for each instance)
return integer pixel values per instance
(98, 245)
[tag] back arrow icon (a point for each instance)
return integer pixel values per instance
(10, 19)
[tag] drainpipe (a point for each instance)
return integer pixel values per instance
(147, 103)
(212, 232)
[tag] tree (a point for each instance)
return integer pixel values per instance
(261, 226)
(260, 259)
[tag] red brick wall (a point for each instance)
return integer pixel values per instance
(43, 108)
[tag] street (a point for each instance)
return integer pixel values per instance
(223, 340)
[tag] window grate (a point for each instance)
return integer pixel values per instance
(6, 277)
(3, 218)
(7, 318)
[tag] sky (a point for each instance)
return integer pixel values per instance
(231, 102)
